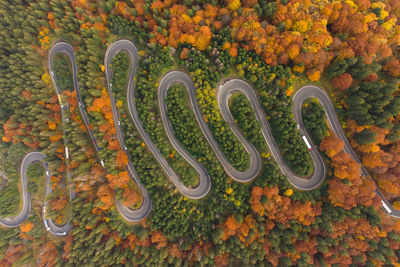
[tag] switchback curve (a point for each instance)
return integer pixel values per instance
(128, 214)
(179, 77)
(236, 85)
(204, 185)
(17, 220)
(310, 91)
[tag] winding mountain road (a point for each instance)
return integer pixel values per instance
(204, 185)
(128, 214)
(224, 92)
(128, 47)
(174, 77)
(235, 85)
(60, 230)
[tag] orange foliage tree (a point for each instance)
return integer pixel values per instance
(281, 208)
(26, 227)
(347, 188)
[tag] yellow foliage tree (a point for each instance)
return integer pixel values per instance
(298, 69)
(300, 26)
(288, 192)
(293, 51)
(234, 5)
(314, 75)
(46, 78)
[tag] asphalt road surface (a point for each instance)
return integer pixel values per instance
(128, 214)
(204, 185)
(26, 197)
(174, 77)
(314, 91)
(224, 92)
(30, 158)
(235, 85)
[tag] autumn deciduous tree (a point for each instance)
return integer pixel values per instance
(372, 77)
(47, 255)
(130, 197)
(222, 260)
(331, 144)
(58, 203)
(26, 227)
(269, 202)
(392, 67)
(184, 53)
(388, 186)
(158, 238)
(174, 251)
(342, 81)
(119, 181)
(106, 195)
(374, 160)
(121, 160)
(347, 188)
(345, 166)
(13, 253)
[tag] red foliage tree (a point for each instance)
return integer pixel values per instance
(347, 188)
(392, 67)
(342, 81)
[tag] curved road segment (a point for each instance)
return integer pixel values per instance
(16, 221)
(26, 197)
(128, 214)
(224, 92)
(314, 91)
(235, 85)
(204, 185)
(174, 77)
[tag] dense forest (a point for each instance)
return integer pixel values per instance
(348, 48)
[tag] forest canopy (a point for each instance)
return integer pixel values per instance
(350, 49)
